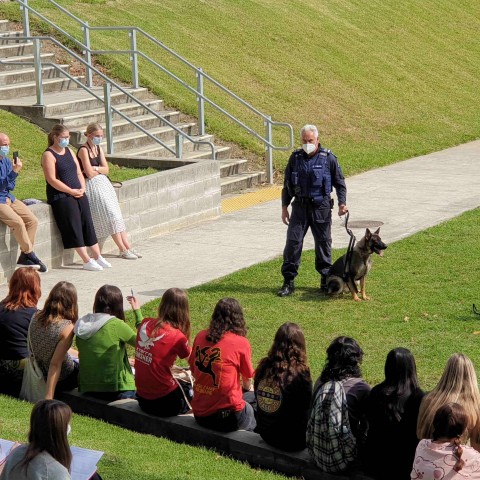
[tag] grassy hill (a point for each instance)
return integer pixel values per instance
(384, 80)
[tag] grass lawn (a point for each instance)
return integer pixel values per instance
(133, 456)
(422, 293)
(31, 142)
(384, 80)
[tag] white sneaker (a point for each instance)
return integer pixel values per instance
(92, 266)
(128, 255)
(138, 255)
(103, 263)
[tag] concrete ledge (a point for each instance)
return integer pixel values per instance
(151, 205)
(245, 446)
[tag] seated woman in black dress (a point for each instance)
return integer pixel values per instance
(283, 390)
(66, 196)
(392, 411)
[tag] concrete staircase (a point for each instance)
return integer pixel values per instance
(66, 103)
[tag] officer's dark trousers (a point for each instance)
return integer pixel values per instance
(319, 219)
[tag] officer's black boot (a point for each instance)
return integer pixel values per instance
(323, 283)
(287, 289)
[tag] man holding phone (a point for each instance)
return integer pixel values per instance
(14, 213)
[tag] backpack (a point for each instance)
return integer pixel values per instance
(330, 440)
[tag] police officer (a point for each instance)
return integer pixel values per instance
(310, 175)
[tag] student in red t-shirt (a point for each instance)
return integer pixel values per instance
(159, 342)
(221, 365)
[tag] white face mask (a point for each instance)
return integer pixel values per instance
(309, 148)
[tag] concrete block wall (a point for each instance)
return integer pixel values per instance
(150, 205)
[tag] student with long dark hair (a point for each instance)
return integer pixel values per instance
(283, 390)
(102, 338)
(344, 357)
(47, 454)
(444, 456)
(16, 311)
(51, 336)
(222, 367)
(159, 342)
(392, 412)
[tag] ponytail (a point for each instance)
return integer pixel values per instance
(457, 453)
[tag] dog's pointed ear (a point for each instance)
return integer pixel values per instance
(377, 231)
(368, 234)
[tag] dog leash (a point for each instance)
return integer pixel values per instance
(348, 258)
(475, 310)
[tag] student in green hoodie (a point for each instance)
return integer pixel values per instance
(102, 338)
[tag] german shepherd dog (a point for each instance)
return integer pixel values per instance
(360, 265)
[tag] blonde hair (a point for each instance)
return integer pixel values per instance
(458, 384)
(92, 127)
(56, 130)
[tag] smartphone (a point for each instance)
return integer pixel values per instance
(15, 157)
(131, 290)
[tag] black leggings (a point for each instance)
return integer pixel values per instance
(167, 406)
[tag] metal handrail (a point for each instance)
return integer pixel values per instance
(107, 80)
(134, 53)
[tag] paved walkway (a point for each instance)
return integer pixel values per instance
(408, 197)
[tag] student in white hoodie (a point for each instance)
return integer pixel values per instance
(102, 338)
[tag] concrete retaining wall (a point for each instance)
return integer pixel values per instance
(150, 205)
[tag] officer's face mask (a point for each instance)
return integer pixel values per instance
(309, 148)
(4, 150)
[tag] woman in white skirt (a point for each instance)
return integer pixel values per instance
(106, 214)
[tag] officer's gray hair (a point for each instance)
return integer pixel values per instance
(309, 128)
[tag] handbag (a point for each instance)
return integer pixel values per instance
(34, 386)
(185, 381)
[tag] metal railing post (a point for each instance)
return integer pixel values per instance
(134, 57)
(87, 54)
(269, 150)
(26, 19)
(108, 116)
(200, 102)
(178, 145)
(38, 72)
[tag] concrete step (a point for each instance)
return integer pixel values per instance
(241, 181)
(133, 142)
(204, 152)
(123, 127)
(191, 150)
(9, 63)
(6, 26)
(82, 101)
(232, 166)
(25, 75)
(28, 88)
(16, 49)
(81, 119)
(11, 37)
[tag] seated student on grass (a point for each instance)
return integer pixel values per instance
(51, 336)
(344, 357)
(445, 456)
(47, 454)
(392, 412)
(222, 367)
(283, 390)
(16, 311)
(102, 338)
(458, 384)
(159, 342)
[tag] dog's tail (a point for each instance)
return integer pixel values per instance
(334, 285)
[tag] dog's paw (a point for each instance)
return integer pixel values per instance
(357, 298)
(366, 298)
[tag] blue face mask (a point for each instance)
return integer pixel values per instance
(63, 142)
(97, 140)
(4, 150)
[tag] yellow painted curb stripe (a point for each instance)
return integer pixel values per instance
(246, 200)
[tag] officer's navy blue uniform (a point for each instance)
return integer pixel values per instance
(309, 181)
